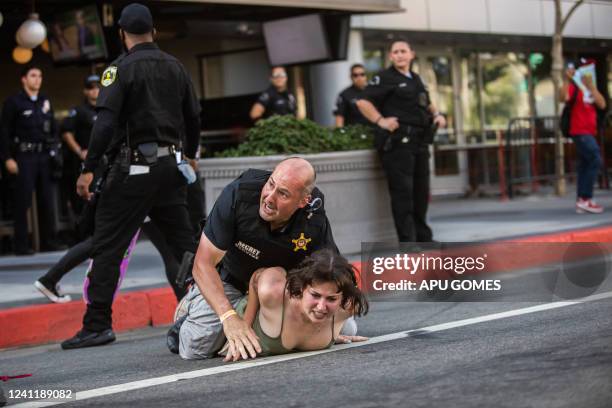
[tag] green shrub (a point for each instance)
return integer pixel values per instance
(288, 135)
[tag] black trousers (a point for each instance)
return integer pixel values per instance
(124, 203)
(407, 171)
(34, 174)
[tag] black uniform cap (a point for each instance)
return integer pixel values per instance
(91, 81)
(136, 19)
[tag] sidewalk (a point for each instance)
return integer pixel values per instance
(145, 286)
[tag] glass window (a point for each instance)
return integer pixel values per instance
(470, 99)
(543, 88)
(438, 76)
(505, 88)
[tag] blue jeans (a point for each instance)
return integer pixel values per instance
(589, 162)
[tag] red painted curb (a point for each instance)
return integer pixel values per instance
(39, 324)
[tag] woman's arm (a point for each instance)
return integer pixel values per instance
(253, 299)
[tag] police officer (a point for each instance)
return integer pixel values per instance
(75, 131)
(28, 150)
(276, 100)
(261, 219)
(397, 102)
(147, 94)
(346, 112)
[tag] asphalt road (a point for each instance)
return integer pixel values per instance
(553, 356)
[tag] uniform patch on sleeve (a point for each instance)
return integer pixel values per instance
(109, 75)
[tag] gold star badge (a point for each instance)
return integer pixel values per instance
(300, 242)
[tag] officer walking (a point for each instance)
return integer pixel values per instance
(397, 102)
(148, 96)
(28, 150)
(346, 112)
(75, 131)
(276, 100)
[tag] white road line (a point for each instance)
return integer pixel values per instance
(226, 368)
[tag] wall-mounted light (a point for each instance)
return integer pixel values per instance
(22, 55)
(31, 33)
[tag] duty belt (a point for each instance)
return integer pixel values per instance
(28, 147)
(162, 151)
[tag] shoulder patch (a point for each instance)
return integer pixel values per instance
(375, 80)
(109, 75)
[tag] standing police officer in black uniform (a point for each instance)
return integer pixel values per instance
(397, 101)
(29, 150)
(346, 112)
(75, 131)
(276, 100)
(148, 94)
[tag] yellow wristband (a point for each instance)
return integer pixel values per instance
(227, 314)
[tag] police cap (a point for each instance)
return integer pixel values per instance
(136, 19)
(91, 81)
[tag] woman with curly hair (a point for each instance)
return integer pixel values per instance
(303, 309)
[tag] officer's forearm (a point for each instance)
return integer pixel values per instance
(368, 110)
(339, 121)
(69, 139)
(101, 135)
(211, 287)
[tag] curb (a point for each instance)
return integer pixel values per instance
(40, 324)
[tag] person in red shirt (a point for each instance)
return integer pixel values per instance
(583, 130)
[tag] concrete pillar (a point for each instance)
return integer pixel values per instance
(327, 80)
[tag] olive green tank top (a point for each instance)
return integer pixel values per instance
(272, 345)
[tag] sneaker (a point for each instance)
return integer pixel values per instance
(588, 206)
(85, 338)
(52, 292)
(172, 337)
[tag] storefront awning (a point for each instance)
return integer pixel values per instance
(354, 6)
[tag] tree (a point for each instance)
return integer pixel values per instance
(557, 77)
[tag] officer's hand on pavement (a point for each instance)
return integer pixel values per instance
(83, 154)
(82, 186)
(391, 124)
(243, 342)
(342, 339)
(11, 166)
(440, 120)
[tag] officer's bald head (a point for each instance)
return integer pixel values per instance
(299, 169)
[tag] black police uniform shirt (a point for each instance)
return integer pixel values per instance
(346, 106)
(79, 122)
(149, 94)
(234, 226)
(277, 103)
(403, 96)
(25, 120)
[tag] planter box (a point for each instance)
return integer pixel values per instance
(356, 194)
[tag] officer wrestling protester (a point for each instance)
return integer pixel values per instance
(259, 220)
(397, 101)
(148, 98)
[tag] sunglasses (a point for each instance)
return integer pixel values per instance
(358, 74)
